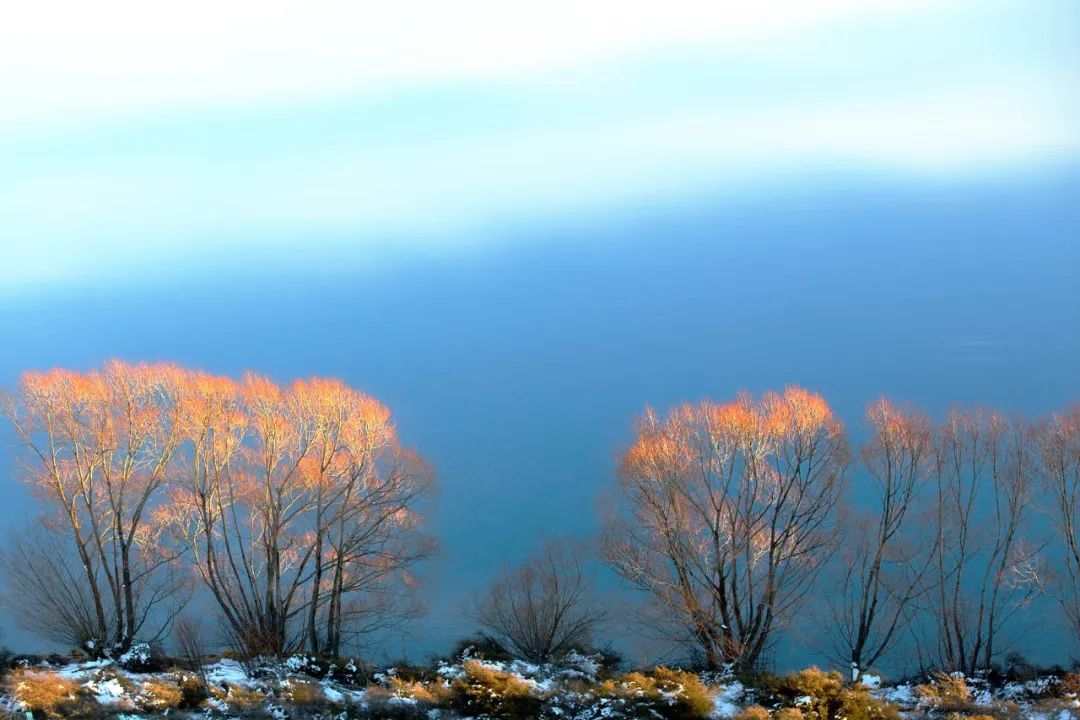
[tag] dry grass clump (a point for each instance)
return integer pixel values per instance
(242, 698)
(1060, 709)
(789, 713)
(687, 688)
(192, 689)
(109, 675)
(405, 699)
(944, 691)
(950, 693)
(432, 693)
(1004, 710)
(663, 692)
(813, 688)
(306, 693)
(997, 711)
(754, 712)
(485, 690)
(409, 673)
(820, 695)
(156, 695)
(1070, 684)
(238, 697)
(53, 696)
(856, 703)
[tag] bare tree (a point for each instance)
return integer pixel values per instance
(190, 641)
(729, 512)
(97, 448)
(45, 590)
(983, 471)
(300, 510)
(883, 566)
(542, 608)
(1058, 442)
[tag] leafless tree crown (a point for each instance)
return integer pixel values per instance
(729, 515)
(544, 607)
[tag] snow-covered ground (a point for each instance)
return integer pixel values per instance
(577, 689)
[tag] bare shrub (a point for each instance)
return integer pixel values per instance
(542, 608)
(191, 644)
(46, 591)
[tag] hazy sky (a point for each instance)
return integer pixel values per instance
(517, 226)
(136, 136)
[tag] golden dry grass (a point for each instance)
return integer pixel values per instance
(486, 690)
(789, 713)
(824, 696)
(754, 712)
(238, 697)
(306, 693)
(430, 693)
(944, 690)
(53, 696)
(157, 695)
(1070, 684)
(670, 690)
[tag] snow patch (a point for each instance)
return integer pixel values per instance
(902, 695)
(106, 692)
(139, 654)
(727, 700)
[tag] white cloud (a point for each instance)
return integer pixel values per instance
(130, 56)
(436, 196)
(136, 138)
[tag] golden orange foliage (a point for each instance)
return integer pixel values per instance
(142, 461)
(729, 501)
